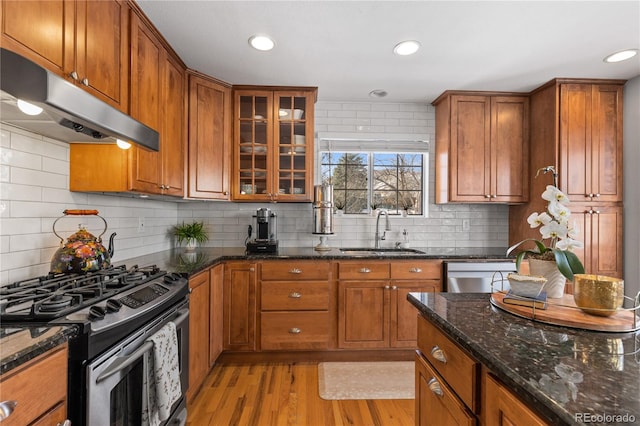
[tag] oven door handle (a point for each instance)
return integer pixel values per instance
(123, 362)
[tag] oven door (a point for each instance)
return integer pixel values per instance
(115, 379)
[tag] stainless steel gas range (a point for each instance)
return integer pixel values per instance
(116, 311)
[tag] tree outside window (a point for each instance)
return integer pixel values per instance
(389, 181)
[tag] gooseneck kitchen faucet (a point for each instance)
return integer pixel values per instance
(386, 228)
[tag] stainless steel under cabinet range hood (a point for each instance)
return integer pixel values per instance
(69, 113)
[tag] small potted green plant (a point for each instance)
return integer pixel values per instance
(191, 233)
(339, 206)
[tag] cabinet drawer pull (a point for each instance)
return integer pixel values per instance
(73, 75)
(295, 271)
(295, 295)
(365, 270)
(295, 330)
(85, 81)
(438, 354)
(6, 408)
(435, 387)
(415, 270)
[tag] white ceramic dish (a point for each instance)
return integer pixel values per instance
(526, 285)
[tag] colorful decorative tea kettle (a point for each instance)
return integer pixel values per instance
(82, 252)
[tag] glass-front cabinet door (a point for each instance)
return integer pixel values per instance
(274, 145)
(254, 145)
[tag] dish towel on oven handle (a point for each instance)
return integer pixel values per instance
(161, 378)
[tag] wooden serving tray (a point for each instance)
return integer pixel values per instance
(563, 311)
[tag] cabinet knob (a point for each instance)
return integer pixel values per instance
(295, 271)
(435, 387)
(251, 269)
(73, 75)
(295, 295)
(295, 330)
(6, 408)
(438, 354)
(386, 287)
(415, 270)
(394, 287)
(494, 196)
(167, 187)
(225, 193)
(365, 270)
(597, 195)
(487, 196)
(85, 81)
(596, 211)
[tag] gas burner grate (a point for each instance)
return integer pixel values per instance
(54, 295)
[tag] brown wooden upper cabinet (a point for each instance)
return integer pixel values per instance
(591, 141)
(209, 138)
(482, 147)
(158, 99)
(86, 42)
(273, 143)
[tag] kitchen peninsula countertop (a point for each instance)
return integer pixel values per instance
(178, 260)
(569, 376)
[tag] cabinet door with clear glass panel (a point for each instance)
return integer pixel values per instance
(293, 173)
(253, 156)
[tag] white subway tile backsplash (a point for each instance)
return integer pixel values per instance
(34, 192)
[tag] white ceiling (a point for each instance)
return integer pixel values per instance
(345, 47)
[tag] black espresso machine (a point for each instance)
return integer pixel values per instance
(265, 226)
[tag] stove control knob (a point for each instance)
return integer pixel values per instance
(172, 278)
(96, 313)
(113, 305)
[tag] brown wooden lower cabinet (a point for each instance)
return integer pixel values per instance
(198, 331)
(40, 389)
(436, 403)
(452, 388)
(503, 408)
(216, 316)
(373, 311)
(240, 306)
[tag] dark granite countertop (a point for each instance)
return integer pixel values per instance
(202, 258)
(21, 343)
(571, 376)
(17, 345)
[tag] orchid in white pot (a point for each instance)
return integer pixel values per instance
(556, 227)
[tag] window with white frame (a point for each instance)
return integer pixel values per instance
(366, 175)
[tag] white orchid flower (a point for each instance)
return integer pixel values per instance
(536, 219)
(553, 230)
(559, 211)
(573, 231)
(569, 244)
(554, 194)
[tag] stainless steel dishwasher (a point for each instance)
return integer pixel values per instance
(476, 276)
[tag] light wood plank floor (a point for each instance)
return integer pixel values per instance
(285, 394)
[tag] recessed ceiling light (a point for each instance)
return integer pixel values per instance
(378, 93)
(623, 55)
(261, 42)
(408, 47)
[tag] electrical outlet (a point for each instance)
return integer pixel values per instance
(140, 225)
(465, 224)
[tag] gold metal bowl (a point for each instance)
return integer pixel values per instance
(598, 294)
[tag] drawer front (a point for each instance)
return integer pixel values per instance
(294, 296)
(458, 369)
(363, 270)
(294, 270)
(416, 269)
(294, 330)
(38, 388)
(436, 403)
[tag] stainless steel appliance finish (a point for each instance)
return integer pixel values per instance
(266, 232)
(70, 114)
(323, 209)
(477, 276)
(117, 375)
(115, 311)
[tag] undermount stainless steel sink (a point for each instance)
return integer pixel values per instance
(365, 251)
